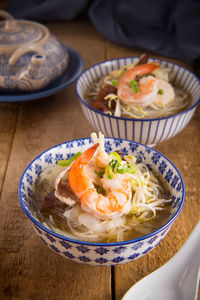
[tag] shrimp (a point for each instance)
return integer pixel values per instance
(116, 201)
(147, 86)
(167, 93)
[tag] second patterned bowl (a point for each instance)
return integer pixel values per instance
(145, 131)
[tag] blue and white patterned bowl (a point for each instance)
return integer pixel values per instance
(102, 253)
(145, 131)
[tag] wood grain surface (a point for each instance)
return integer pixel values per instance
(30, 270)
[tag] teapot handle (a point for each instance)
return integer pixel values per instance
(10, 22)
(25, 49)
(5, 15)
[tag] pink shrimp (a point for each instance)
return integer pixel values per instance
(147, 86)
(117, 200)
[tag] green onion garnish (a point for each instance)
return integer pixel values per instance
(114, 164)
(129, 168)
(100, 174)
(148, 74)
(101, 190)
(114, 82)
(120, 171)
(122, 72)
(136, 89)
(75, 156)
(134, 85)
(160, 92)
(67, 162)
(117, 156)
(64, 163)
(109, 172)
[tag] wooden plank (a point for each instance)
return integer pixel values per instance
(183, 150)
(30, 270)
(83, 37)
(8, 117)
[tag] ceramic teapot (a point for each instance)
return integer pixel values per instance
(30, 57)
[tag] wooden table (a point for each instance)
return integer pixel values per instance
(30, 270)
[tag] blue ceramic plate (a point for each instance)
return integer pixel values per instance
(73, 70)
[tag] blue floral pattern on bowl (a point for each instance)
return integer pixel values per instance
(102, 253)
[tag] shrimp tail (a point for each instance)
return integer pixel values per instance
(139, 71)
(85, 157)
(77, 181)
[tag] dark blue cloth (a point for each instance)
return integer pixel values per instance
(47, 10)
(167, 27)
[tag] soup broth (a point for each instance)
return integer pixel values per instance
(182, 101)
(51, 213)
(142, 90)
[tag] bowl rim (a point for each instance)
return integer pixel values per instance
(132, 119)
(76, 241)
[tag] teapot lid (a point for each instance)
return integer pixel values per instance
(15, 33)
